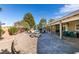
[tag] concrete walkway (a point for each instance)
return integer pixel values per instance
(50, 44)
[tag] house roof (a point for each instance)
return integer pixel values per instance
(64, 17)
(70, 14)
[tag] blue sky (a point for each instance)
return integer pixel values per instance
(11, 13)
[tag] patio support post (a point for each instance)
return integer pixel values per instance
(60, 30)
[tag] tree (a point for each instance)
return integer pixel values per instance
(42, 23)
(18, 23)
(22, 24)
(25, 25)
(50, 20)
(29, 19)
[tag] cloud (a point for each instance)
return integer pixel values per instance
(58, 16)
(66, 9)
(69, 8)
(6, 21)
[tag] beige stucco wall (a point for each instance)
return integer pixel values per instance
(71, 26)
(53, 28)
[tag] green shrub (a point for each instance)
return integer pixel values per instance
(1, 31)
(12, 30)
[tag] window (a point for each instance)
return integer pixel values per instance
(65, 27)
(77, 26)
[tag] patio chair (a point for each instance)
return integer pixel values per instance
(66, 33)
(72, 34)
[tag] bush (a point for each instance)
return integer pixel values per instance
(1, 31)
(12, 30)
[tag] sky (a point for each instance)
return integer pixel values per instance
(15, 12)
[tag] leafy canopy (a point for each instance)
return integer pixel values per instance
(29, 19)
(42, 23)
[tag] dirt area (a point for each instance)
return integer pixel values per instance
(23, 42)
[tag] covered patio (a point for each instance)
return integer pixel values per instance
(67, 26)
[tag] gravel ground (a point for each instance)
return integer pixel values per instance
(50, 44)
